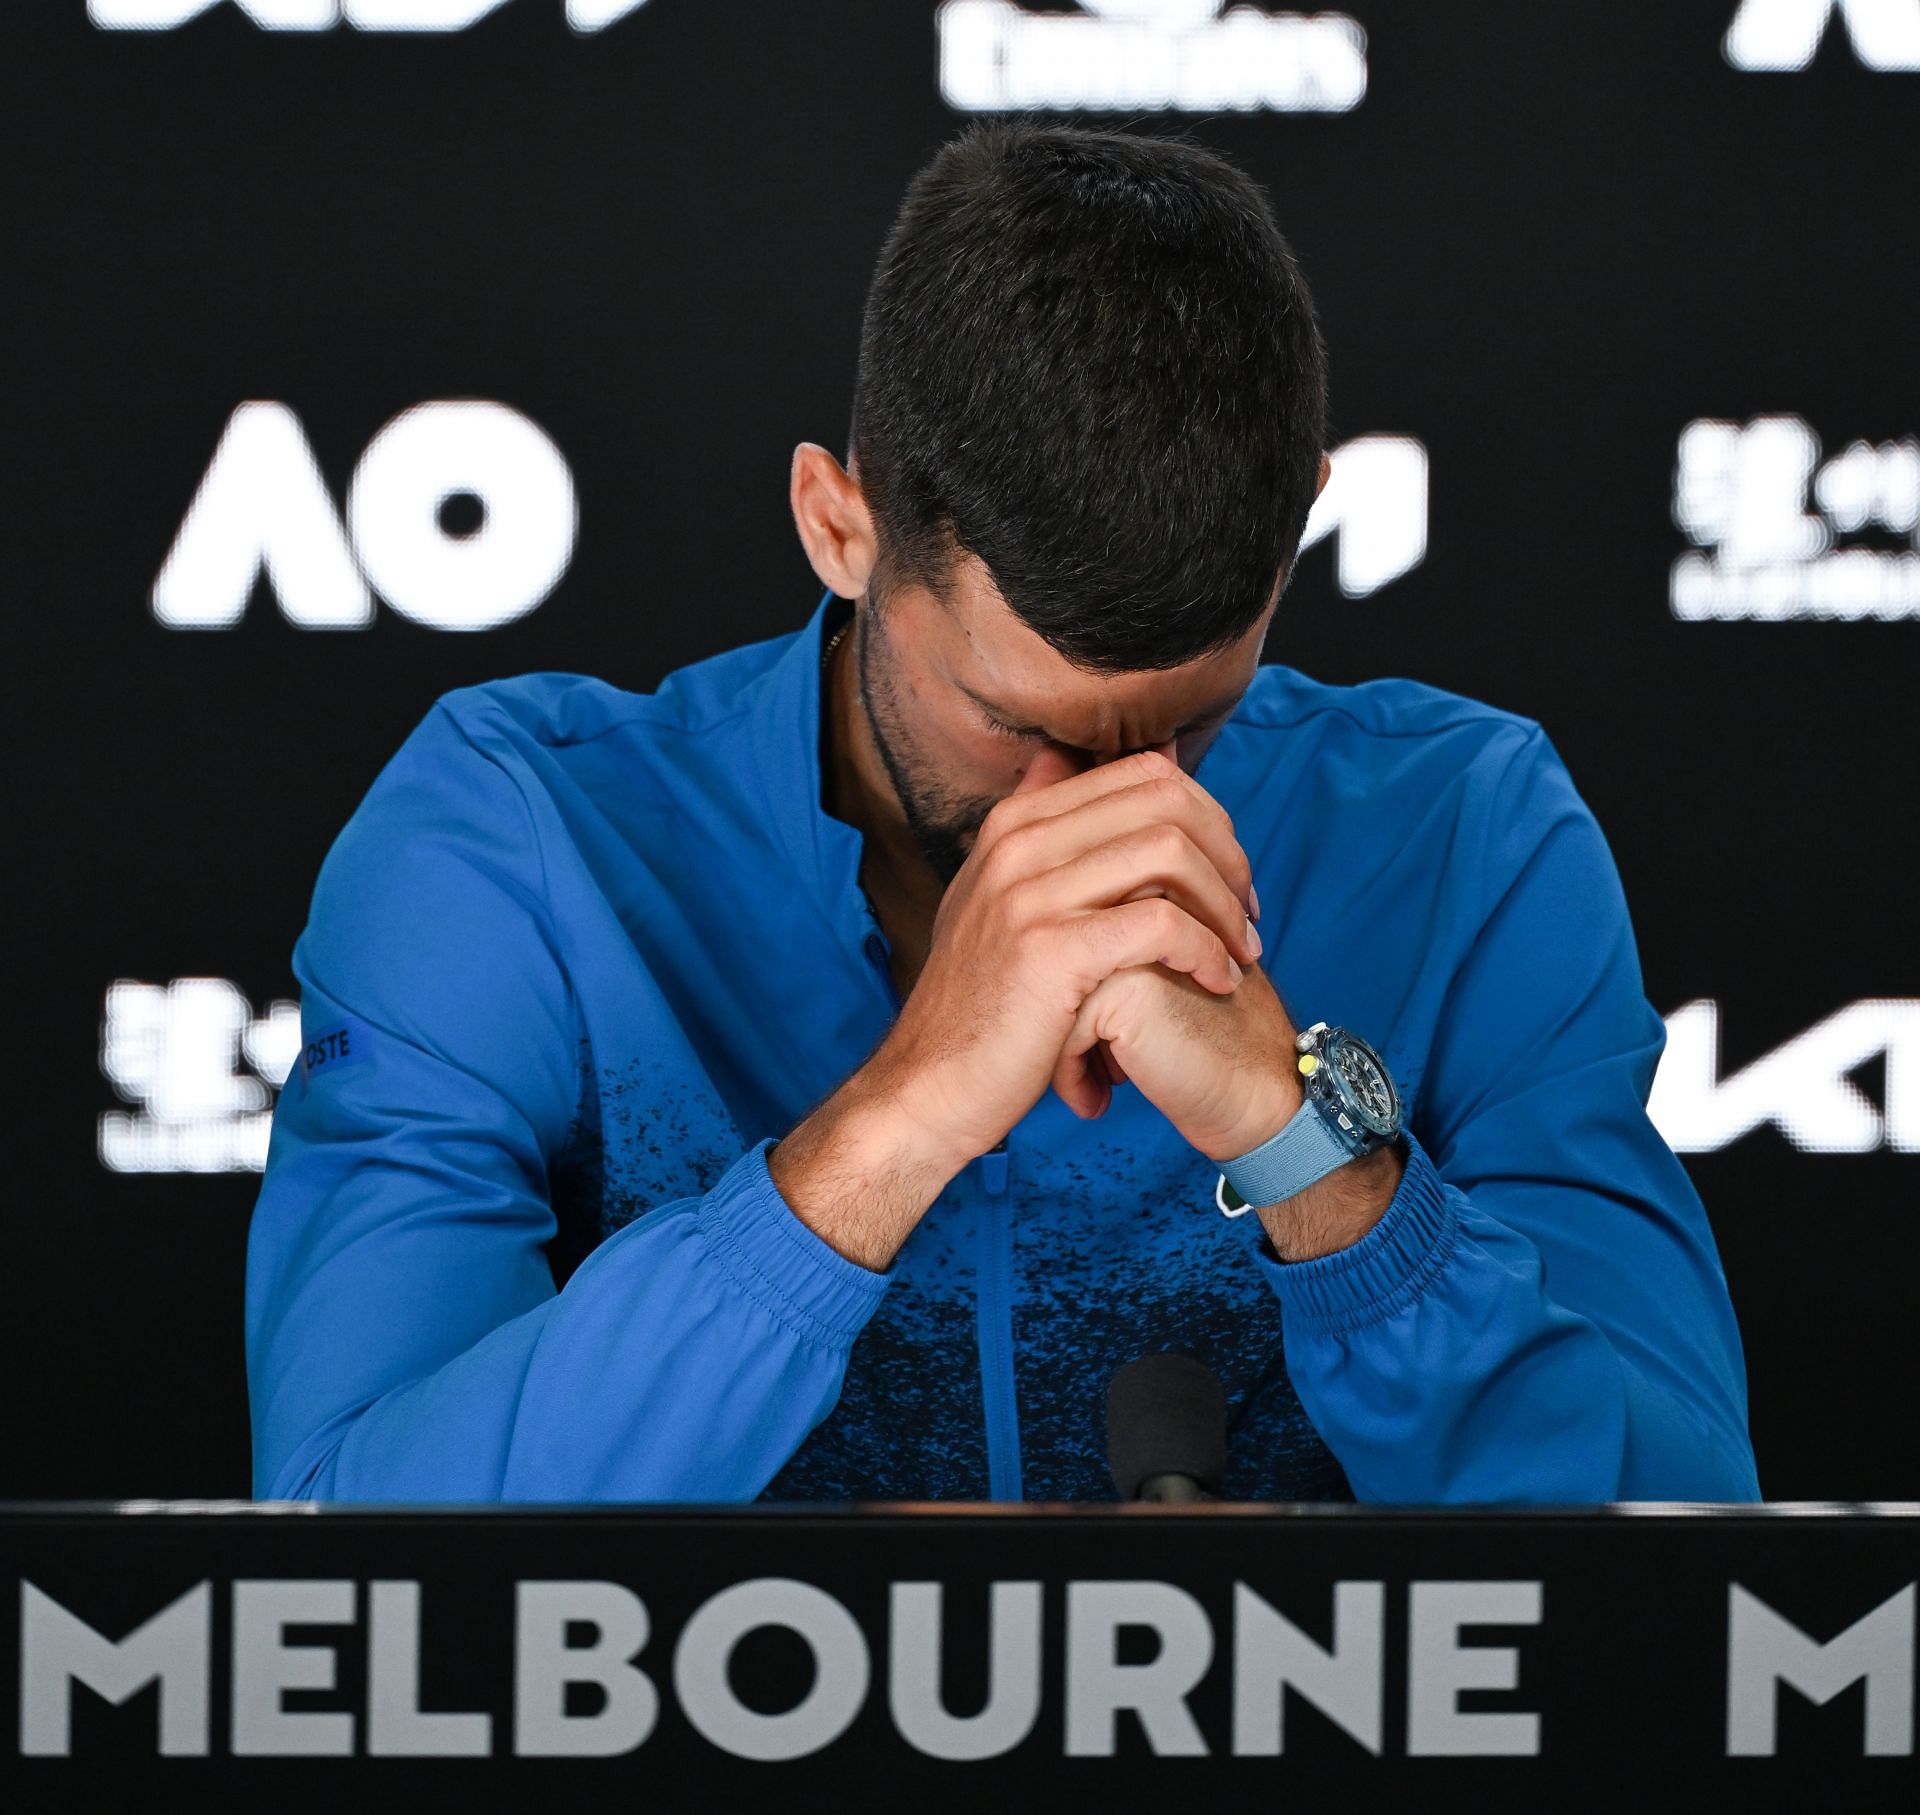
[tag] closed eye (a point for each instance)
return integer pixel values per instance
(1022, 733)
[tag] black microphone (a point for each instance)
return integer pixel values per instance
(1167, 1430)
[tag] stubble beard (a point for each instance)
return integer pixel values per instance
(938, 818)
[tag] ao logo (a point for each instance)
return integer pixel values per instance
(263, 506)
(1189, 55)
(1784, 34)
(323, 15)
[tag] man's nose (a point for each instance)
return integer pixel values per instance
(1166, 749)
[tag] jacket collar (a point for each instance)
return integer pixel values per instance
(785, 707)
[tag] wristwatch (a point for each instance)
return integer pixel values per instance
(1351, 1107)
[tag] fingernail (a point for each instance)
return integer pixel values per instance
(1253, 938)
(1238, 973)
(1253, 900)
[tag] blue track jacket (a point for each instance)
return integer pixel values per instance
(582, 955)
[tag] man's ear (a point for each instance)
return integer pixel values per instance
(1326, 473)
(836, 528)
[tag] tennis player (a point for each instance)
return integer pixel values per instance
(812, 1078)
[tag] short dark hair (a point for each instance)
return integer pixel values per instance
(1090, 359)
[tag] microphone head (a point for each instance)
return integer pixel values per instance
(1166, 1415)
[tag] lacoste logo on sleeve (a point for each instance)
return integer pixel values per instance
(339, 1045)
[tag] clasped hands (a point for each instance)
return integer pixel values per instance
(1100, 931)
(1221, 1067)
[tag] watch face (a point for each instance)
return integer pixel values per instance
(1368, 1092)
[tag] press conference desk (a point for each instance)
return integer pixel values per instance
(921, 1657)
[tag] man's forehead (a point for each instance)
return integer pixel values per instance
(1010, 671)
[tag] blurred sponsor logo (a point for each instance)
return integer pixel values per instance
(1785, 34)
(1803, 1088)
(1150, 55)
(201, 1069)
(1375, 507)
(1743, 494)
(324, 15)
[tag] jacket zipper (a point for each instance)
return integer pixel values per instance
(993, 1294)
(995, 1298)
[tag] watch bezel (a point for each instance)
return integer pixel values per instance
(1352, 1120)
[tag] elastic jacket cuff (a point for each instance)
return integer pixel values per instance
(1385, 1271)
(780, 1263)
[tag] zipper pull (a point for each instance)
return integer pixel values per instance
(993, 1170)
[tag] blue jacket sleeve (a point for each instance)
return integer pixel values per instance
(404, 1337)
(1541, 1314)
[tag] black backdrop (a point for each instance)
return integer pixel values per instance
(1544, 243)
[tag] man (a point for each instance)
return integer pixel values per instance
(813, 1079)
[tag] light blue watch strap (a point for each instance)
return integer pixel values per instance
(1304, 1150)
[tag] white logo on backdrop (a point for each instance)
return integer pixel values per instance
(1149, 55)
(1375, 505)
(175, 1050)
(263, 506)
(1784, 34)
(324, 15)
(1802, 1088)
(1743, 495)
